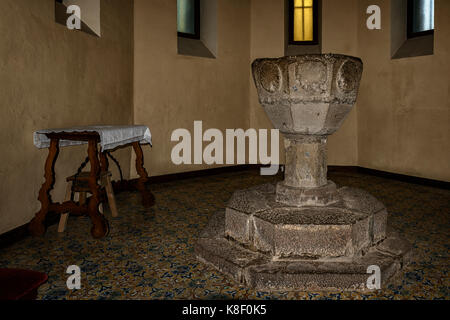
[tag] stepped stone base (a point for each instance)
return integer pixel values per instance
(267, 245)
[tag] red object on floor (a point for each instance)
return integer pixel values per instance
(18, 284)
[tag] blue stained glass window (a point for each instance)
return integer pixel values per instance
(187, 17)
(421, 15)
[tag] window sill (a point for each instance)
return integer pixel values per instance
(416, 47)
(193, 47)
(293, 50)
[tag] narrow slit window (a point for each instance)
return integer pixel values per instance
(420, 17)
(188, 18)
(303, 23)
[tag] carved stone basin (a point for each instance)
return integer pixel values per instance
(308, 94)
(307, 98)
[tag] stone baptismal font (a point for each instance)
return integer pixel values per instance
(304, 233)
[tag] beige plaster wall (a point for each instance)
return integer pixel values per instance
(172, 91)
(53, 77)
(404, 105)
(339, 35)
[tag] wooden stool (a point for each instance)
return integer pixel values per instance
(79, 184)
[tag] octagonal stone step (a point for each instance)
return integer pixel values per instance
(254, 219)
(259, 271)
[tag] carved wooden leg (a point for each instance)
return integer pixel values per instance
(36, 225)
(100, 224)
(104, 163)
(147, 197)
(104, 166)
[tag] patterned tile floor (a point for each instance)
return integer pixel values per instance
(149, 252)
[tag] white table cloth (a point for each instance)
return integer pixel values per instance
(110, 136)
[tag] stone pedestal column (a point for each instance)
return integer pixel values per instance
(306, 161)
(305, 182)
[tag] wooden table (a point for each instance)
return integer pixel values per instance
(99, 163)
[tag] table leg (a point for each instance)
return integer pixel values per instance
(147, 197)
(104, 163)
(36, 225)
(100, 224)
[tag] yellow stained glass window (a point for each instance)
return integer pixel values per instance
(303, 20)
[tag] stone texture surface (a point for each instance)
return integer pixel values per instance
(304, 233)
(307, 97)
(269, 245)
(301, 197)
(306, 163)
(307, 94)
(260, 271)
(344, 228)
